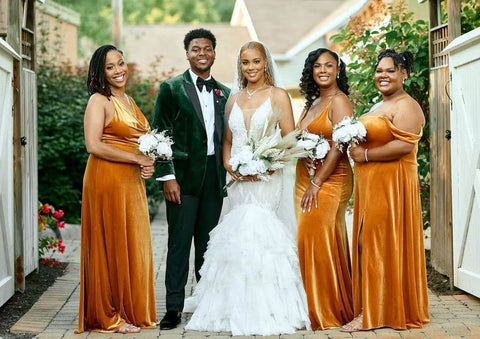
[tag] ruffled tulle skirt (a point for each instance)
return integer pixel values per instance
(250, 280)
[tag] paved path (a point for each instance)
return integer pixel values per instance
(55, 314)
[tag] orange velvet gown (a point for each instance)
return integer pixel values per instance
(322, 240)
(389, 278)
(116, 270)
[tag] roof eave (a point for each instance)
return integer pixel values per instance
(332, 22)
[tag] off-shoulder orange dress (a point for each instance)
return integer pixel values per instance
(116, 269)
(389, 278)
(322, 239)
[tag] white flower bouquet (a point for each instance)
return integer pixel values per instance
(157, 146)
(348, 131)
(316, 146)
(264, 154)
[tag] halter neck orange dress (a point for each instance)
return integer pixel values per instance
(322, 239)
(389, 279)
(116, 269)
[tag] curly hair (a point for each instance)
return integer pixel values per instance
(197, 34)
(403, 60)
(260, 48)
(96, 81)
(308, 86)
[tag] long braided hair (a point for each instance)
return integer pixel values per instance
(96, 81)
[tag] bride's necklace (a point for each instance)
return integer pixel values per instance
(250, 94)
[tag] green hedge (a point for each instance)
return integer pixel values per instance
(62, 156)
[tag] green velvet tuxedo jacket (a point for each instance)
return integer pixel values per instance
(177, 110)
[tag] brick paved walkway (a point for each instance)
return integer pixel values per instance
(55, 313)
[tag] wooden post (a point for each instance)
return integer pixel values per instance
(14, 38)
(117, 22)
(440, 168)
(454, 21)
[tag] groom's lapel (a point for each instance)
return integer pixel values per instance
(192, 94)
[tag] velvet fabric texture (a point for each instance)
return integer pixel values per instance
(116, 269)
(177, 109)
(389, 278)
(322, 239)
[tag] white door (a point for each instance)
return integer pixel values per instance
(465, 124)
(29, 171)
(6, 174)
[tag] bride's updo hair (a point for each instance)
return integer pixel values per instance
(259, 47)
(308, 86)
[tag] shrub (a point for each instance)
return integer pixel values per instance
(61, 148)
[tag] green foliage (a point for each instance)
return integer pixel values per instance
(362, 43)
(470, 15)
(96, 15)
(62, 155)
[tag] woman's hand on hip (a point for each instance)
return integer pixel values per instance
(309, 198)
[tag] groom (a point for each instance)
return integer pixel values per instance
(191, 107)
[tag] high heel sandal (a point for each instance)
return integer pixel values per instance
(353, 326)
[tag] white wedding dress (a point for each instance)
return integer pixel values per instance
(250, 281)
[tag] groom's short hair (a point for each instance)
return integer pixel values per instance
(199, 33)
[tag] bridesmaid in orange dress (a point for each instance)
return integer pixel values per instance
(389, 274)
(116, 270)
(321, 202)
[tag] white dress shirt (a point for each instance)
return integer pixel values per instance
(208, 112)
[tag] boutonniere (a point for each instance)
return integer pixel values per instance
(218, 92)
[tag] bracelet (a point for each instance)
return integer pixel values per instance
(366, 154)
(314, 184)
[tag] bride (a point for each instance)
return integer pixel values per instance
(250, 281)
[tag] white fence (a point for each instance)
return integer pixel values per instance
(465, 124)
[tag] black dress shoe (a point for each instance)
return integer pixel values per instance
(170, 320)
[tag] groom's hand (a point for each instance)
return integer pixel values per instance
(171, 189)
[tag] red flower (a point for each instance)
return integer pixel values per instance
(46, 261)
(60, 224)
(218, 93)
(45, 209)
(58, 214)
(61, 248)
(39, 217)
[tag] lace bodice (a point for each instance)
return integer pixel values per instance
(243, 127)
(260, 193)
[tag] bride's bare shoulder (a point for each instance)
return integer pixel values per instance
(279, 94)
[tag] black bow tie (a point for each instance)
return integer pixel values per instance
(209, 84)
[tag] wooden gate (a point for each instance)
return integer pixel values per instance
(29, 170)
(7, 57)
(440, 186)
(465, 123)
